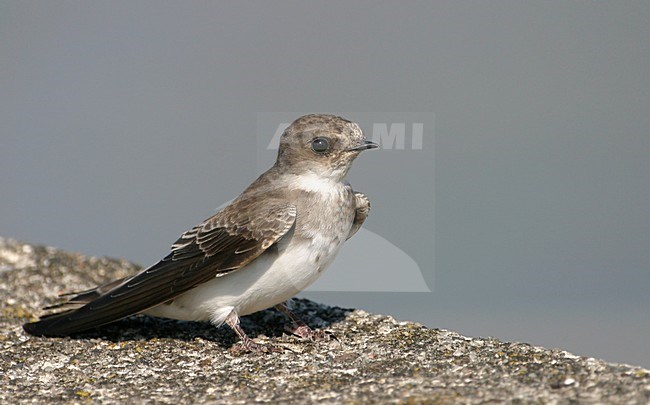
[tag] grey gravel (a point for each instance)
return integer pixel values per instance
(373, 358)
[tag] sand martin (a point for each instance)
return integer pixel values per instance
(263, 248)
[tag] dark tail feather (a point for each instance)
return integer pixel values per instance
(81, 298)
(58, 324)
(152, 286)
(72, 321)
(46, 325)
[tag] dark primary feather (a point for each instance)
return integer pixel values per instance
(224, 242)
(80, 298)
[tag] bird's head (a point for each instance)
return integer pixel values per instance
(321, 144)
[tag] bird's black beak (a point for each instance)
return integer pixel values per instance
(364, 146)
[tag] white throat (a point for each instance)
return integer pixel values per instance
(313, 183)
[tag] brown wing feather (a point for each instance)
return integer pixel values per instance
(361, 213)
(224, 242)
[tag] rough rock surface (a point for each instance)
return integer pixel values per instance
(376, 358)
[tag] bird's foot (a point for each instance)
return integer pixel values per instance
(246, 344)
(300, 328)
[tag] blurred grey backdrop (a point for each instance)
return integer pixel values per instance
(124, 123)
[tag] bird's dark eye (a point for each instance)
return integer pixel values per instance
(320, 145)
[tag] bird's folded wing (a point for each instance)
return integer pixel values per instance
(223, 243)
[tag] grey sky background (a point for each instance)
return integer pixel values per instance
(122, 124)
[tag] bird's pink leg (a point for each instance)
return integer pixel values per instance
(245, 344)
(298, 327)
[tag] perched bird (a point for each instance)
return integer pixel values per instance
(268, 244)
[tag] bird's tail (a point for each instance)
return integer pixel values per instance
(56, 324)
(46, 326)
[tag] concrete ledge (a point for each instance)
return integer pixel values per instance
(375, 358)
